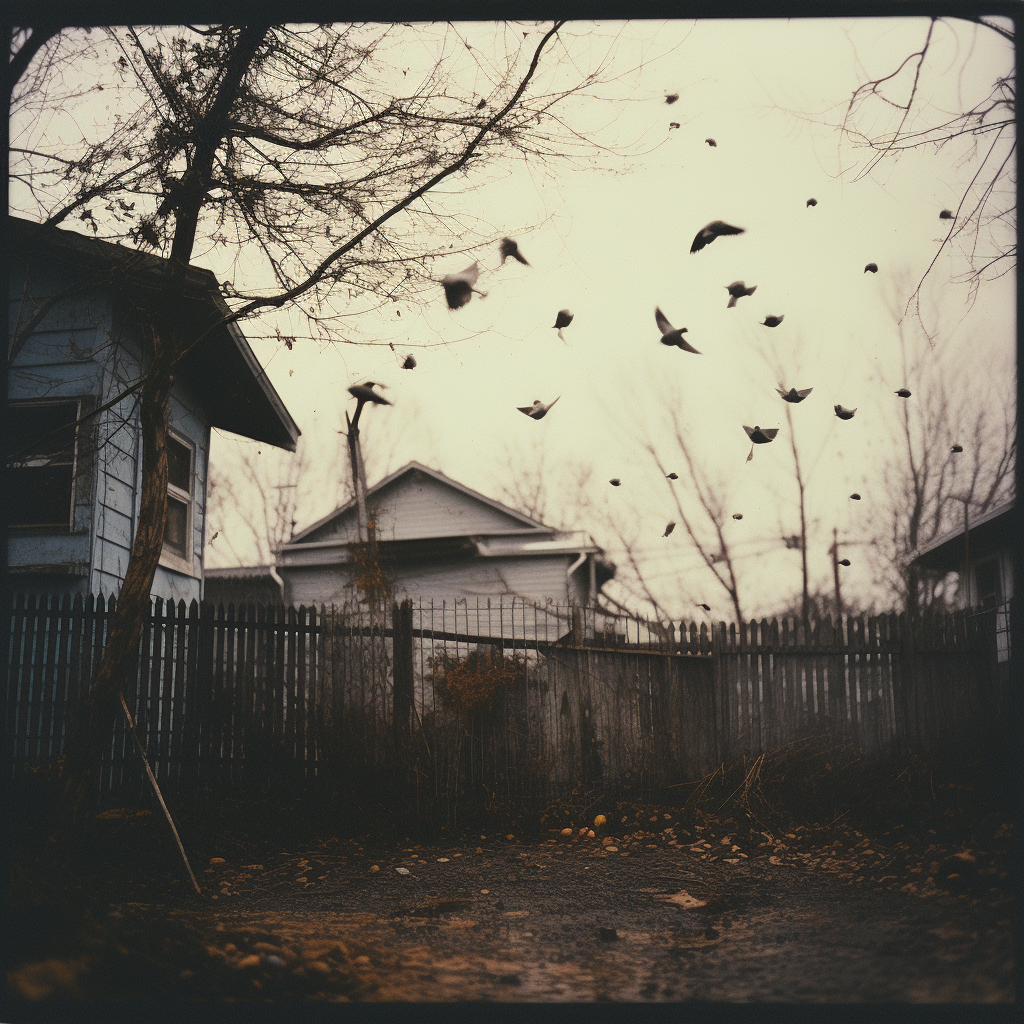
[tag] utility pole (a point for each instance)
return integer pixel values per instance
(835, 572)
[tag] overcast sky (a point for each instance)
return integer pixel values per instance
(610, 246)
(609, 238)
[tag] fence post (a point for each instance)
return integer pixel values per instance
(401, 618)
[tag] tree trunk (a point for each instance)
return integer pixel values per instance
(94, 729)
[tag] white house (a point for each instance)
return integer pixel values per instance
(78, 309)
(437, 540)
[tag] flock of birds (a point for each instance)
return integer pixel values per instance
(460, 287)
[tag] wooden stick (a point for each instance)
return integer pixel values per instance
(159, 795)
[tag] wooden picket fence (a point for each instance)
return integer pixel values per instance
(367, 701)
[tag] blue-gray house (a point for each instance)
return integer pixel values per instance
(77, 349)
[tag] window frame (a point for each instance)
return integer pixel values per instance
(169, 558)
(13, 404)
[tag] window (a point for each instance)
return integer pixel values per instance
(986, 583)
(177, 530)
(41, 449)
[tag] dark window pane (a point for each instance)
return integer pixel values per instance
(41, 432)
(41, 496)
(176, 529)
(179, 465)
(986, 578)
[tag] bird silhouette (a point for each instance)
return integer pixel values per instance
(670, 336)
(946, 215)
(615, 481)
(409, 363)
(957, 448)
(673, 124)
(710, 232)
(538, 410)
(706, 607)
(903, 393)
(844, 414)
(671, 98)
(844, 561)
(873, 267)
(812, 202)
(855, 496)
(365, 393)
(737, 290)
(737, 515)
(711, 143)
(672, 476)
(458, 288)
(563, 319)
(792, 395)
(511, 248)
(669, 529)
(772, 321)
(759, 436)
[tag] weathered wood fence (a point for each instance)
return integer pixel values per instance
(495, 702)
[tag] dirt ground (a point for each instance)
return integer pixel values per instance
(647, 909)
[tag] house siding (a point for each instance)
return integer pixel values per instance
(535, 579)
(417, 506)
(82, 349)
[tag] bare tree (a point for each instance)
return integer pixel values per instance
(529, 479)
(306, 145)
(702, 504)
(926, 483)
(891, 113)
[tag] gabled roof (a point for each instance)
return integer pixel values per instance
(528, 525)
(985, 531)
(224, 372)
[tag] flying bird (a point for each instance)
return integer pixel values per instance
(759, 436)
(772, 321)
(737, 515)
(812, 202)
(873, 267)
(844, 414)
(957, 448)
(737, 290)
(844, 561)
(946, 215)
(711, 143)
(365, 393)
(511, 248)
(792, 395)
(855, 496)
(563, 319)
(409, 363)
(710, 232)
(669, 335)
(706, 607)
(615, 481)
(672, 476)
(538, 410)
(671, 98)
(903, 393)
(458, 288)
(669, 529)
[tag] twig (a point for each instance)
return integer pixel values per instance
(754, 767)
(159, 795)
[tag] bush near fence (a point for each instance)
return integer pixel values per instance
(437, 710)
